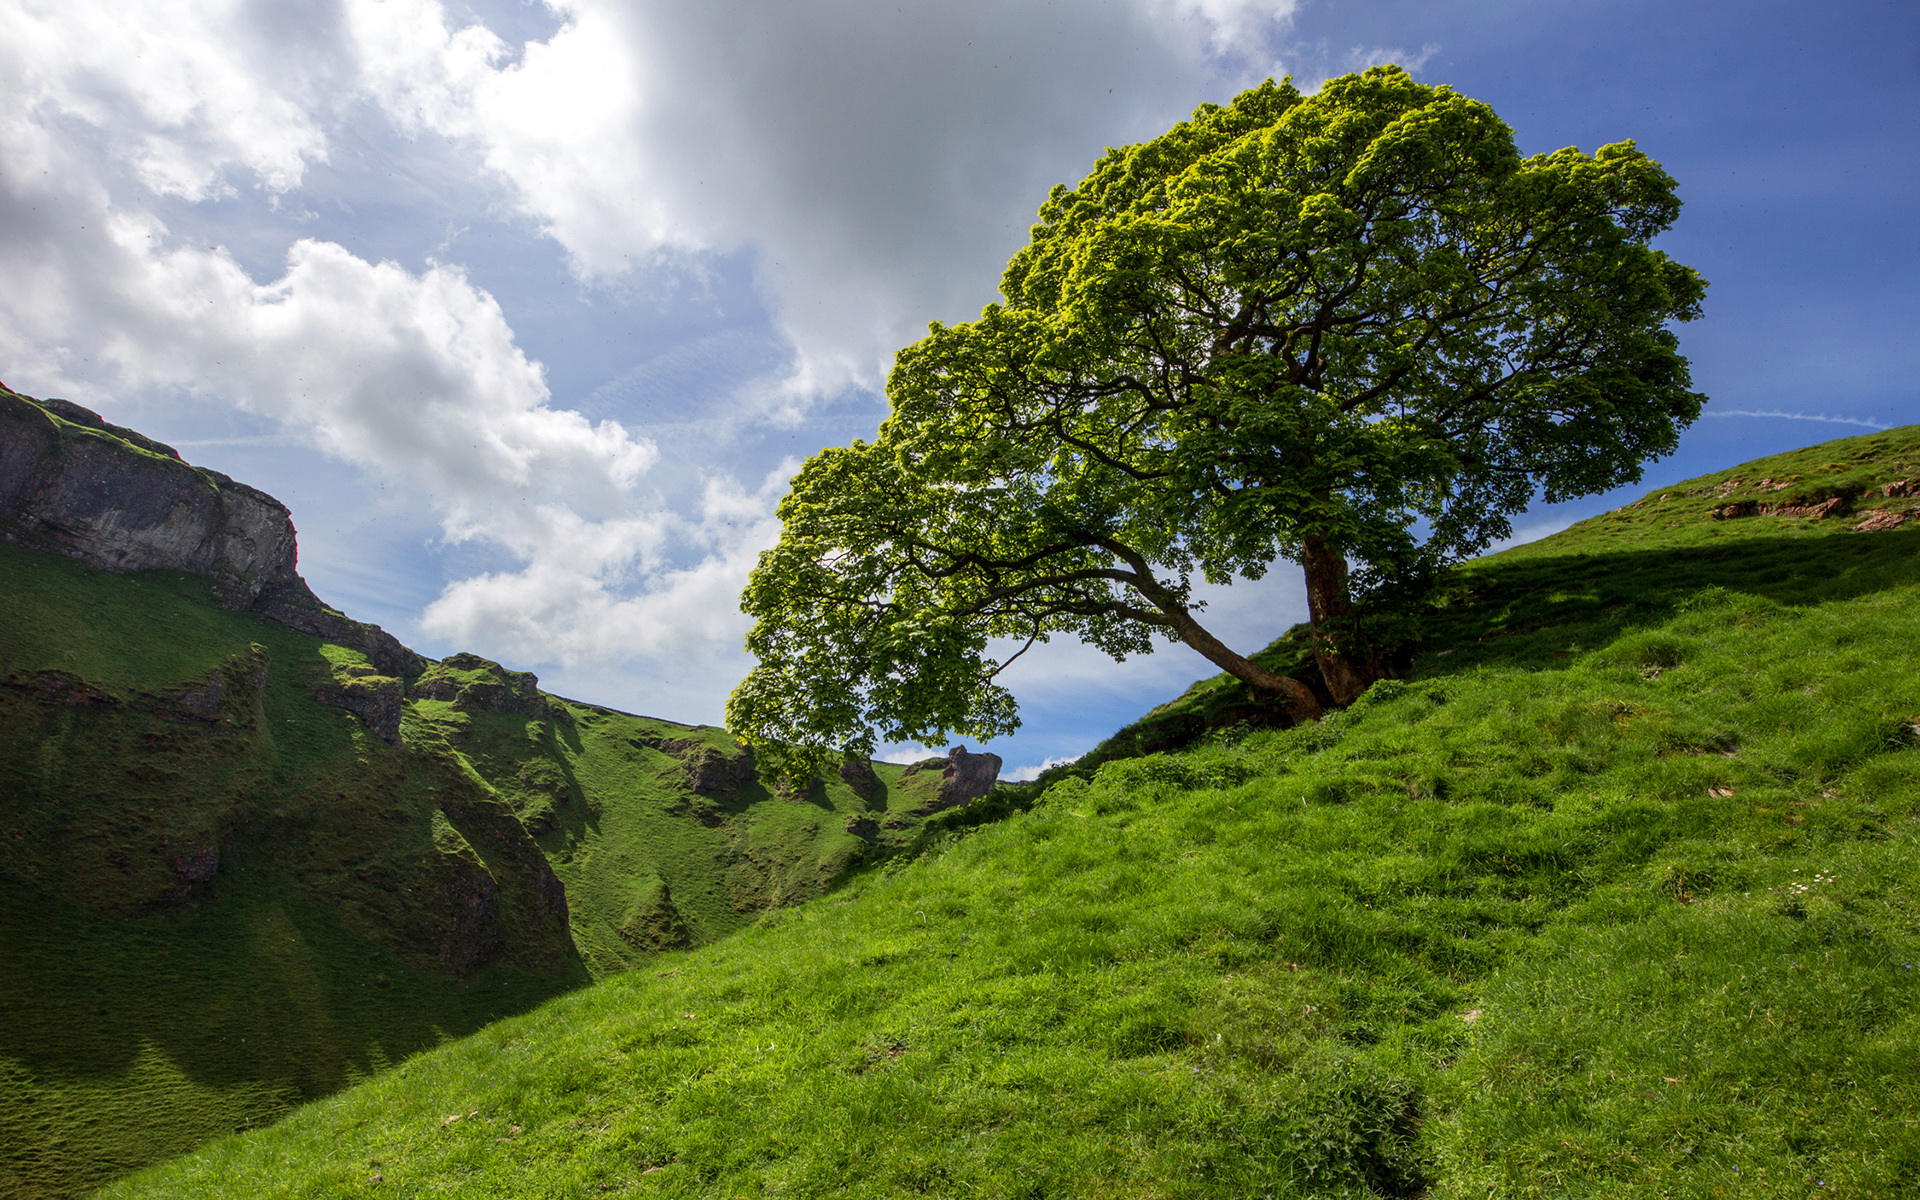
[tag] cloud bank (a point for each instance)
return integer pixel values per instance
(881, 161)
(874, 163)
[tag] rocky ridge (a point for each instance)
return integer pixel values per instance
(73, 484)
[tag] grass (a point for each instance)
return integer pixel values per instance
(648, 862)
(1614, 896)
(206, 923)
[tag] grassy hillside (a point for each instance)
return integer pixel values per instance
(222, 895)
(1615, 896)
(663, 834)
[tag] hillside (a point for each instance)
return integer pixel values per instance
(252, 851)
(1613, 896)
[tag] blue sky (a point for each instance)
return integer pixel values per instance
(527, 310)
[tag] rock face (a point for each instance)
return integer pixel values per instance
(474, 684)
(375, 698)
(967, 777)
(73, 484)
(964, 777)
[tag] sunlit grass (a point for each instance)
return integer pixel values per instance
(1594, 930)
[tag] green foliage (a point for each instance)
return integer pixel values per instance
(1350, 326)
(1635, 919)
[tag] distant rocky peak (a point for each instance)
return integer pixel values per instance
(474, 684)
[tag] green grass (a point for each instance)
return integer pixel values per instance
(649, 864)
(142, 1012)
(136, 1022)
(1615, 896)
(1538, 603)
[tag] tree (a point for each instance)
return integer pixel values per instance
(1356, 330)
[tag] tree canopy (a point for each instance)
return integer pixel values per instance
(1356, 330)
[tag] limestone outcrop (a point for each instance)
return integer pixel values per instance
(474, 684)
(73, 484)
(964, 777)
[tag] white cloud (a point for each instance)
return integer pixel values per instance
(571, 608)
(182, 91)
(414, 376)
(876, 163)
(882, 161)
(1779, 415)
(1033, 770)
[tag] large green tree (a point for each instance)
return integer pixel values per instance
(1355, 329)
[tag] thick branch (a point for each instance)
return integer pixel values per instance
(1298, 699)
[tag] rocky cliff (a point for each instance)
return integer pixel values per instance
(72, 484)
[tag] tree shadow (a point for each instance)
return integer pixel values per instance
(1538, 610)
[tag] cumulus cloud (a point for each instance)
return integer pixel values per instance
(413, 375)
(570, 607)
(882, 161)
(876, 163)
(169, 93)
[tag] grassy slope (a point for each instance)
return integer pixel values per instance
(1615, 897)
(134, 1026)
(131, 1030)
(650, 864)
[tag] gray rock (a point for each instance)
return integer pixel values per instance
(376, 699)
(85, 491)
(72, 484)
(967, 777)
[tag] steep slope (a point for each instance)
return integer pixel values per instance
(1762, 528)
(1613, 897)
(252, 850)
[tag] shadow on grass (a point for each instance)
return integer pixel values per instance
(173, 1029)
(1538, 610)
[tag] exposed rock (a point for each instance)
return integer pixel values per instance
(80, 488)
(294, 605)
(967, 777)
(862, 827)
(701, 809)
(73, 484)
(67, 410)
(474, 684)
(376, 699)
(712, 772)
(1813, 510)
(508, 902)
(229, 694)
(55, 687)
(857, 773)
(925, 764)
(1880, 519)
(964, 778)
(1900, 487)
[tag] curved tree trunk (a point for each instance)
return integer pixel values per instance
(1295, 697)
(1327, 607)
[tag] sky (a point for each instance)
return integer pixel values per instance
(528, 309)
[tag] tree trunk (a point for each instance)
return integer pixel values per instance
(1295, 697)
(1327, 608)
